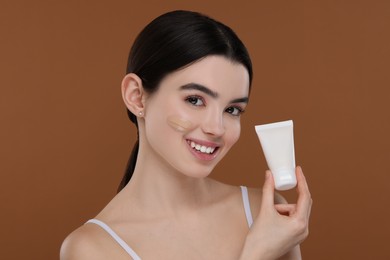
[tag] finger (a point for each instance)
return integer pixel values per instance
(309, 212)
(285, 209)
(304, 197)
(310, 206)
(268, 190)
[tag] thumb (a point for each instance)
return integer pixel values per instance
(268, 190)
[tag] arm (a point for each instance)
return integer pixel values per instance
(294, 254)
(279, 228)
(80, 244)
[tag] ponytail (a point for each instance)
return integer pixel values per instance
(133, 156)
(130, 167)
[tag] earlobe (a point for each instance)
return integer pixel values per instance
(133, 93)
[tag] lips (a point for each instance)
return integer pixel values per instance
(203, 150)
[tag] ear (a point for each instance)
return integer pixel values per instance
(133, 93)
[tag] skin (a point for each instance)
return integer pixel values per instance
(171, 209)
(179, 124)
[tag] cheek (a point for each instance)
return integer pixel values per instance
(233, 133)
(183, 120)
(180, 123)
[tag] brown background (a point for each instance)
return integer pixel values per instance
(65, 137)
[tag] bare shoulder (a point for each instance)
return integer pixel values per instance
(279, 199)
(83, 243)
(255, 197)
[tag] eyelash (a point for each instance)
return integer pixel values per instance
(240, 110)
(190, 100)
(194, 99)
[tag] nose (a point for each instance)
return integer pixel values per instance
(213, 123)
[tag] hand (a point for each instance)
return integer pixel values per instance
(281, 227)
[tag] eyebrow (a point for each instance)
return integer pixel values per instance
(209, 92)
(201, 88)
(240, 100)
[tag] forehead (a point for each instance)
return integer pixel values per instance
(215, 72)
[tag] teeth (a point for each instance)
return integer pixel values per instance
(202, 148)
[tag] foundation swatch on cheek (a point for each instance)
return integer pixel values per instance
(179, 124)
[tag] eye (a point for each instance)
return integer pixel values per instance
(235, 111)
(195, 100)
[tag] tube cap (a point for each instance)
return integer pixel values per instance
(285, 179)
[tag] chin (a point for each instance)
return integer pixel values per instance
(197, 174)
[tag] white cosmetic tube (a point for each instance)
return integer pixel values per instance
(277, 142)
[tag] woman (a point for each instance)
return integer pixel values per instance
(188, 81)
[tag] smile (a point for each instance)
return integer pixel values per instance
(201, 148)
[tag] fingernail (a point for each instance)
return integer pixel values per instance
(267, 174)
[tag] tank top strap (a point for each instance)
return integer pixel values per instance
(247, 208)
(115, 236)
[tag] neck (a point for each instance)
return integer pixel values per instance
(159, 188)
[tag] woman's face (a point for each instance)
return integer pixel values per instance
(193, 119)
